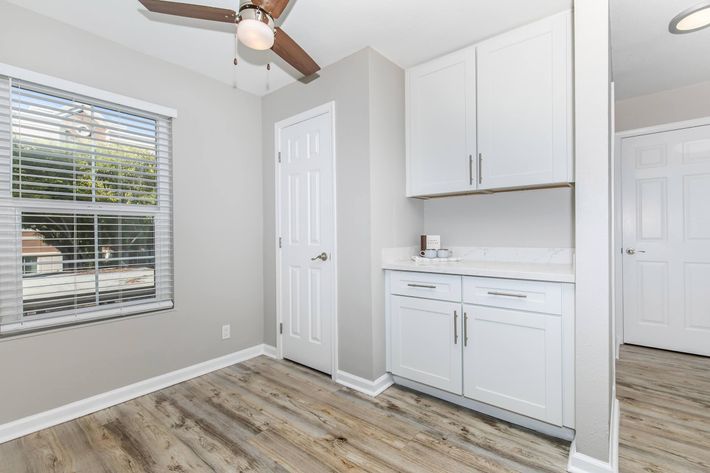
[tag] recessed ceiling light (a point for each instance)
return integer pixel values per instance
(693, 19)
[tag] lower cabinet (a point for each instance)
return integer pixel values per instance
(426, 342)
(501, 342)
(513, 360)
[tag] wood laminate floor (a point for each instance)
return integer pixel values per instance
(665, 411)
(269, 415)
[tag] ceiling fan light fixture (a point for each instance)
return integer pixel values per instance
(255, 27)
(690, 20)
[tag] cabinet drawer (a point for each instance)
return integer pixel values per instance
(444, 287)
(533, 296)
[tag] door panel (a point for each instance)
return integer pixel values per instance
(666, 220)
(652, 279)
(697, 296)
(696, 193)
(441, 100)
(308, 226)
(513, 360)
(426, 342)
(653, 209)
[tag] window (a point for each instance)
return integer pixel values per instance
(85, 208)
(29, 264)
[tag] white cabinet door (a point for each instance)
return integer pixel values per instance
(513, 360)
(525, 105)
(426, 342)
(441, 125)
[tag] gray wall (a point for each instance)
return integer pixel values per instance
(346, 83)
(668, 106)
(526, 219)
(396, 220)
(217, 206)
(372, 210)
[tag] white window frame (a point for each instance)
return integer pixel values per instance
(20, 205)
(85, 90)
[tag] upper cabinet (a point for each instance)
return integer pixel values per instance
(441, 125)
(525, 106)
(497, 115)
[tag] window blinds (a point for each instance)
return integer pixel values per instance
(85, 208)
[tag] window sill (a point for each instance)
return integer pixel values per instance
(21, 330)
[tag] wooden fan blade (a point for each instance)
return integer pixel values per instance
(293, 54)
(274, 7)
(190, 11)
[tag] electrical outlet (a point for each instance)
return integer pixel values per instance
(226, 331)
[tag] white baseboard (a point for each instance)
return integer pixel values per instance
(581, 463)
(270, 351)
(365, 386)
(27, 425)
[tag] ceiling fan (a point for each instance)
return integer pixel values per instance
(255, 27)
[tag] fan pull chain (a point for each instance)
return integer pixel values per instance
(268, 76)
(236, 61)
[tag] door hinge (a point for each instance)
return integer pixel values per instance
(280, 242)
(281, 328)
(279, 156)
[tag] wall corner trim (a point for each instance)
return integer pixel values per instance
(270, 351)
(581, 463)
(33, 423)
(365, 386)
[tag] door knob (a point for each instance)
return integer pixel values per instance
(633, 251)
(323, 257)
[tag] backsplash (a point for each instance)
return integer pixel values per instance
(541, 218)
(515, 255)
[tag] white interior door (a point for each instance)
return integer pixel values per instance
(666, 220)
(307, 223)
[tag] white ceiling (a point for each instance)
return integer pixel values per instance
(406, 31)
(646, 57)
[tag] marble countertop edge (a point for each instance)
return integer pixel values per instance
(563, 273)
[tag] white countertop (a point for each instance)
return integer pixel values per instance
(492, 269)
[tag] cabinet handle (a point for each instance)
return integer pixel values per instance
(465, 329)
(480, 168)
(507, 294)
(470, 169)
(456, 329)
(424, 286)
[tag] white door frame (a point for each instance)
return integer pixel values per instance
(328, 107)
(618, 206)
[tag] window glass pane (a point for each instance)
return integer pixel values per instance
(65, 277)
(29, 264)
(127, 258)
(64, 149)
(74, 261)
